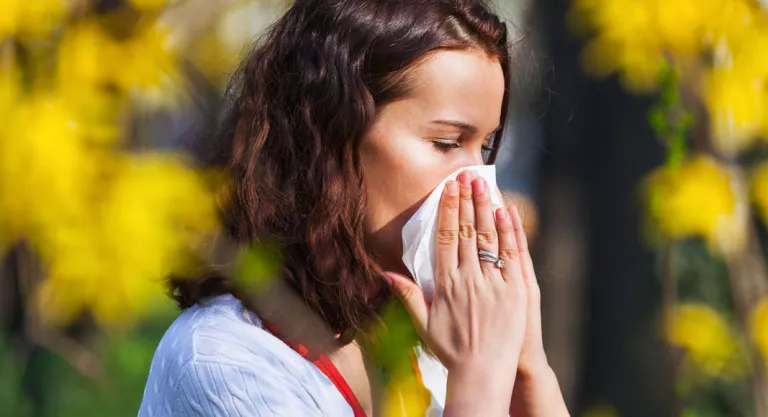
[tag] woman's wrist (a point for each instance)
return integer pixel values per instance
(478, 388)
(534, 368)
(537, 393)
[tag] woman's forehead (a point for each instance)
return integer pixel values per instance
(459, 85)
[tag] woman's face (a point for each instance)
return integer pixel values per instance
(443, 125)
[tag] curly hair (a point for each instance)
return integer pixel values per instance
(298, 106)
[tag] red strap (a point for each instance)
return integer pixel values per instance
(329, 369)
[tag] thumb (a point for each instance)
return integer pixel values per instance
(412, 297)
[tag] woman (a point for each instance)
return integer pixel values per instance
(343, 120)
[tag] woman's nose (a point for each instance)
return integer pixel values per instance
(473, 158)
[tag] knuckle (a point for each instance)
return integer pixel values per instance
(467, 231)
(447, 285)
(465, 192)
(509, 253)
(486, 237)
(452, 205)
(446, 237)
(505, 229)
(482, 199)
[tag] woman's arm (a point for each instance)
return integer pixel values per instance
(537, 393)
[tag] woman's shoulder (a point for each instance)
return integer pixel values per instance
(219, 330)
(217, 349)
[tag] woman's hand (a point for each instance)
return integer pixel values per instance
(537, 393)
(476, 322)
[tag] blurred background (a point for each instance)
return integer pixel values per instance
(636, 147)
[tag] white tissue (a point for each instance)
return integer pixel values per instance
(419, 232)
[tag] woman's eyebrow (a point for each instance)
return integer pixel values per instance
(456, 123)
(469, 128)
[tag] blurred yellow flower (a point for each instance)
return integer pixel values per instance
(706, 338)
(150, 67)
(44, 164)
(10, 79)
(88, 56)
(153, 212)
(638, 65)
(406, 397)
(759, 327)
(697, 199)
(624, 40)
(30, 18)
(733, 21)
(681, 24)
(634, 37)
(143, 65)
(738, 108)
(735, 91)
(9, 96)
(109, 227)
(759, 190)
(149, 5)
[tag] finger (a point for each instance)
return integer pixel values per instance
(412, 297)
(521, 239)
(526, 264)
(487, 238)
(467, 228)
(447, 239)
(508, 250)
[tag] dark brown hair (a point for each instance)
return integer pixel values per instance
(298, 106)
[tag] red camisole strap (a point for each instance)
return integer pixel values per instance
(329, 369)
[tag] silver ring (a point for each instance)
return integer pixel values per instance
(491, 257)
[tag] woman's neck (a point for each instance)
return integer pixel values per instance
(361, 376)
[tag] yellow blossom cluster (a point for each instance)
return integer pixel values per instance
(144, 65)
(735, 91)
(759, 327)
(708, 342)
(110, 226)
(31, 18)
(718, 45)
(697, 199)
(149, 5)
(633, 37)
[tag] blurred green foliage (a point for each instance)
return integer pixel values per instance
(42, 384)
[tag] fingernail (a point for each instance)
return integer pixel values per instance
(465, 178)
(452, 188)
(501, 214)
(479, 186)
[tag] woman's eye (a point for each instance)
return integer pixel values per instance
(442, 146)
